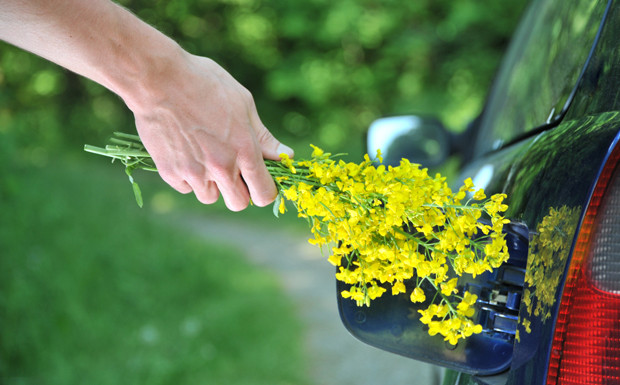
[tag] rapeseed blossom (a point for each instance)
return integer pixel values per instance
(384, 228)
(384, 225)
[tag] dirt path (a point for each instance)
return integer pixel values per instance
(336, 357)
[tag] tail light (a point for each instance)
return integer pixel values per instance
(586, 342)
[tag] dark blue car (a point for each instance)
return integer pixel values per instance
(548, 138)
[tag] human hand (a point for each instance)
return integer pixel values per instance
(197, 122)
(204, 134)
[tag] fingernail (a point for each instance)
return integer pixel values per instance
(285, 149)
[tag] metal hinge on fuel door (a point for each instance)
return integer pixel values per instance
(499, 294)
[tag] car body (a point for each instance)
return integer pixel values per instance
(547, 138)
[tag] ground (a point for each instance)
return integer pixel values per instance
(335, 356)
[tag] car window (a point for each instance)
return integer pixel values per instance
(599, 90)
(540, 70)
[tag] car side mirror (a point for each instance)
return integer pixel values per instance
(421, 140)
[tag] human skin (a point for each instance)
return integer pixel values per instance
(198, 123)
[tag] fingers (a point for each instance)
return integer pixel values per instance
(234, 192)
(237, 186)
(206, 192)
(175, 182)
(238, 177)
(259, 182)
(270, 146)
(210, 179)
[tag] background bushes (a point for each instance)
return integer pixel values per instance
(319, 70)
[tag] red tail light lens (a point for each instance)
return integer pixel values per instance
(586, 343)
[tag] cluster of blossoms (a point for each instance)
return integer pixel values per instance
(387, 225)
(384, 226)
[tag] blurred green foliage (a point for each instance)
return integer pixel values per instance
(320, 70)
(94, 290)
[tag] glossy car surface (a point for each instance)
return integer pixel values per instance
(547, 138)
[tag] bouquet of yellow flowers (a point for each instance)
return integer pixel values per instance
(383, 226)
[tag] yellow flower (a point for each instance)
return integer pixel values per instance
(479, 195)
(470, 298)
(379, 155)
(291, 193)
(388, 224)
(286, 160)
(449, 288)
(417, 295)
(282, 207)
(317, 151)
(435, 327)
(375, 292)
(355, 294)
(426, 316)
(465, 306)
(398, 287)
(335, 259)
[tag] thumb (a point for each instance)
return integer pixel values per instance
(271, 147)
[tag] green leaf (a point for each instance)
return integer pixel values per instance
(138, 194)
(136, 189)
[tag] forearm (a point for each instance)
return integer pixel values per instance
(198, 123)
(94, 38)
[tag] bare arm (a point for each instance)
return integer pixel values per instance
(197, 122)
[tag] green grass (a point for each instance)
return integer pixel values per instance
(93, 290)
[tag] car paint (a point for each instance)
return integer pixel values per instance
(555, 169)
(549, 173)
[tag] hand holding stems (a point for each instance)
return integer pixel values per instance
(198, 123)
(208, 138)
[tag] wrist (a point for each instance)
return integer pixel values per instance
(142, 71)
